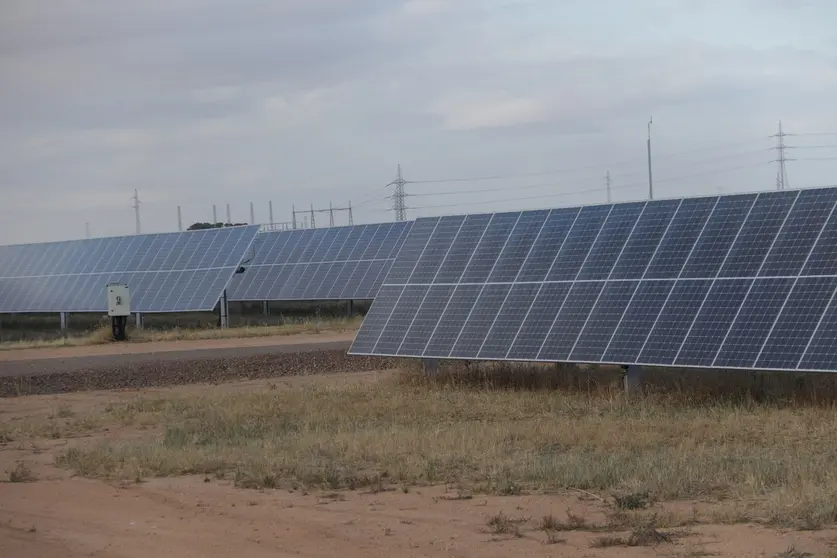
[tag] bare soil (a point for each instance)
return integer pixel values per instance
(55, 514)
(169, 346)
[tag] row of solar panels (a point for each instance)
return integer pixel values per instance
(746, 281)
(189, 271)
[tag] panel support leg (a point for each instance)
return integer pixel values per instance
(350, 307)
(225, 310)
(138, 320)
(430, 366)
(63, 317)
(118, 324)
(266, 308)
(633, 380)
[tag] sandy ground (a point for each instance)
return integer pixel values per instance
(59, 515)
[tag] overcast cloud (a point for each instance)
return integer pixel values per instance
(201, 102)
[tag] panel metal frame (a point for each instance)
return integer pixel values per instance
(132, 265)
(713, 277)
(300, 250)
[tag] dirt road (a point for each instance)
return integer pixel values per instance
(140, 365)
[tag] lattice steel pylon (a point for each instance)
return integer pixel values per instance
(399, 196)
(782, 171)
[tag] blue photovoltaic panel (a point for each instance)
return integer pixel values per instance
(168, 272)
(334, 263)
(738, 281)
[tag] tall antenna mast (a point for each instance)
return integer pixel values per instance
(136, 207)
(398, 197)
(782, 171)
(607, 185)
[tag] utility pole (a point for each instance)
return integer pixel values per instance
(313, 223)
(229, 219)
(399, 206)
(179, 220)
(270, 212)
(136, 210)
(252, 214)
(650, 181)
(351, 219)
(607, 184)
(782, 171)
(330, 215)
(87, 230)
(214, 215)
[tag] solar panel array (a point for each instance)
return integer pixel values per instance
(334, 263)
(170, 272)
(738, 281)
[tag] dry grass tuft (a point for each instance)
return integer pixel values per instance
(501, 524)
(21, 473)
(492, 432)
(102, 335)
(793, 553)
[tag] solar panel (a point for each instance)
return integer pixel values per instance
(737, 281)
(169, 272)
(334, 263)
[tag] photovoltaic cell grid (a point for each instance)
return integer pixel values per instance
(738, 281)
(335, 263)
(170, 272)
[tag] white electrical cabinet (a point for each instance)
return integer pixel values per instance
(119, 300)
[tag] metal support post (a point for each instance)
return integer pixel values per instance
(225, 310)
(266, 307)
(63, 317)
(138, 320)
(633, 380)
(430, 366)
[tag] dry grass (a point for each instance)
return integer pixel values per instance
(475, 430)
(102, 335)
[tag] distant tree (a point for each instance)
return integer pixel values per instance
(203, 226)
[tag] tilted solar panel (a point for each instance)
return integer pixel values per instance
(736, 281)
(169, 272)
(334, 263)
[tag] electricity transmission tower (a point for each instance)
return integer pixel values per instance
(782, 171)
(399, 207)
(136, 206)
(607, 185)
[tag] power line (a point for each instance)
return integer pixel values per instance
(816, 134)
(594, 190)
(626, 162)
(590, 179)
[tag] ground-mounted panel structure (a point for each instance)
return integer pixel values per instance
(334, 263)
(738, 281)
(168, 272)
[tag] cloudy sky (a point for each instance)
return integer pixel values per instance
(530, 102)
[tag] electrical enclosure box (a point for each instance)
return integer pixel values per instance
(119, 300)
